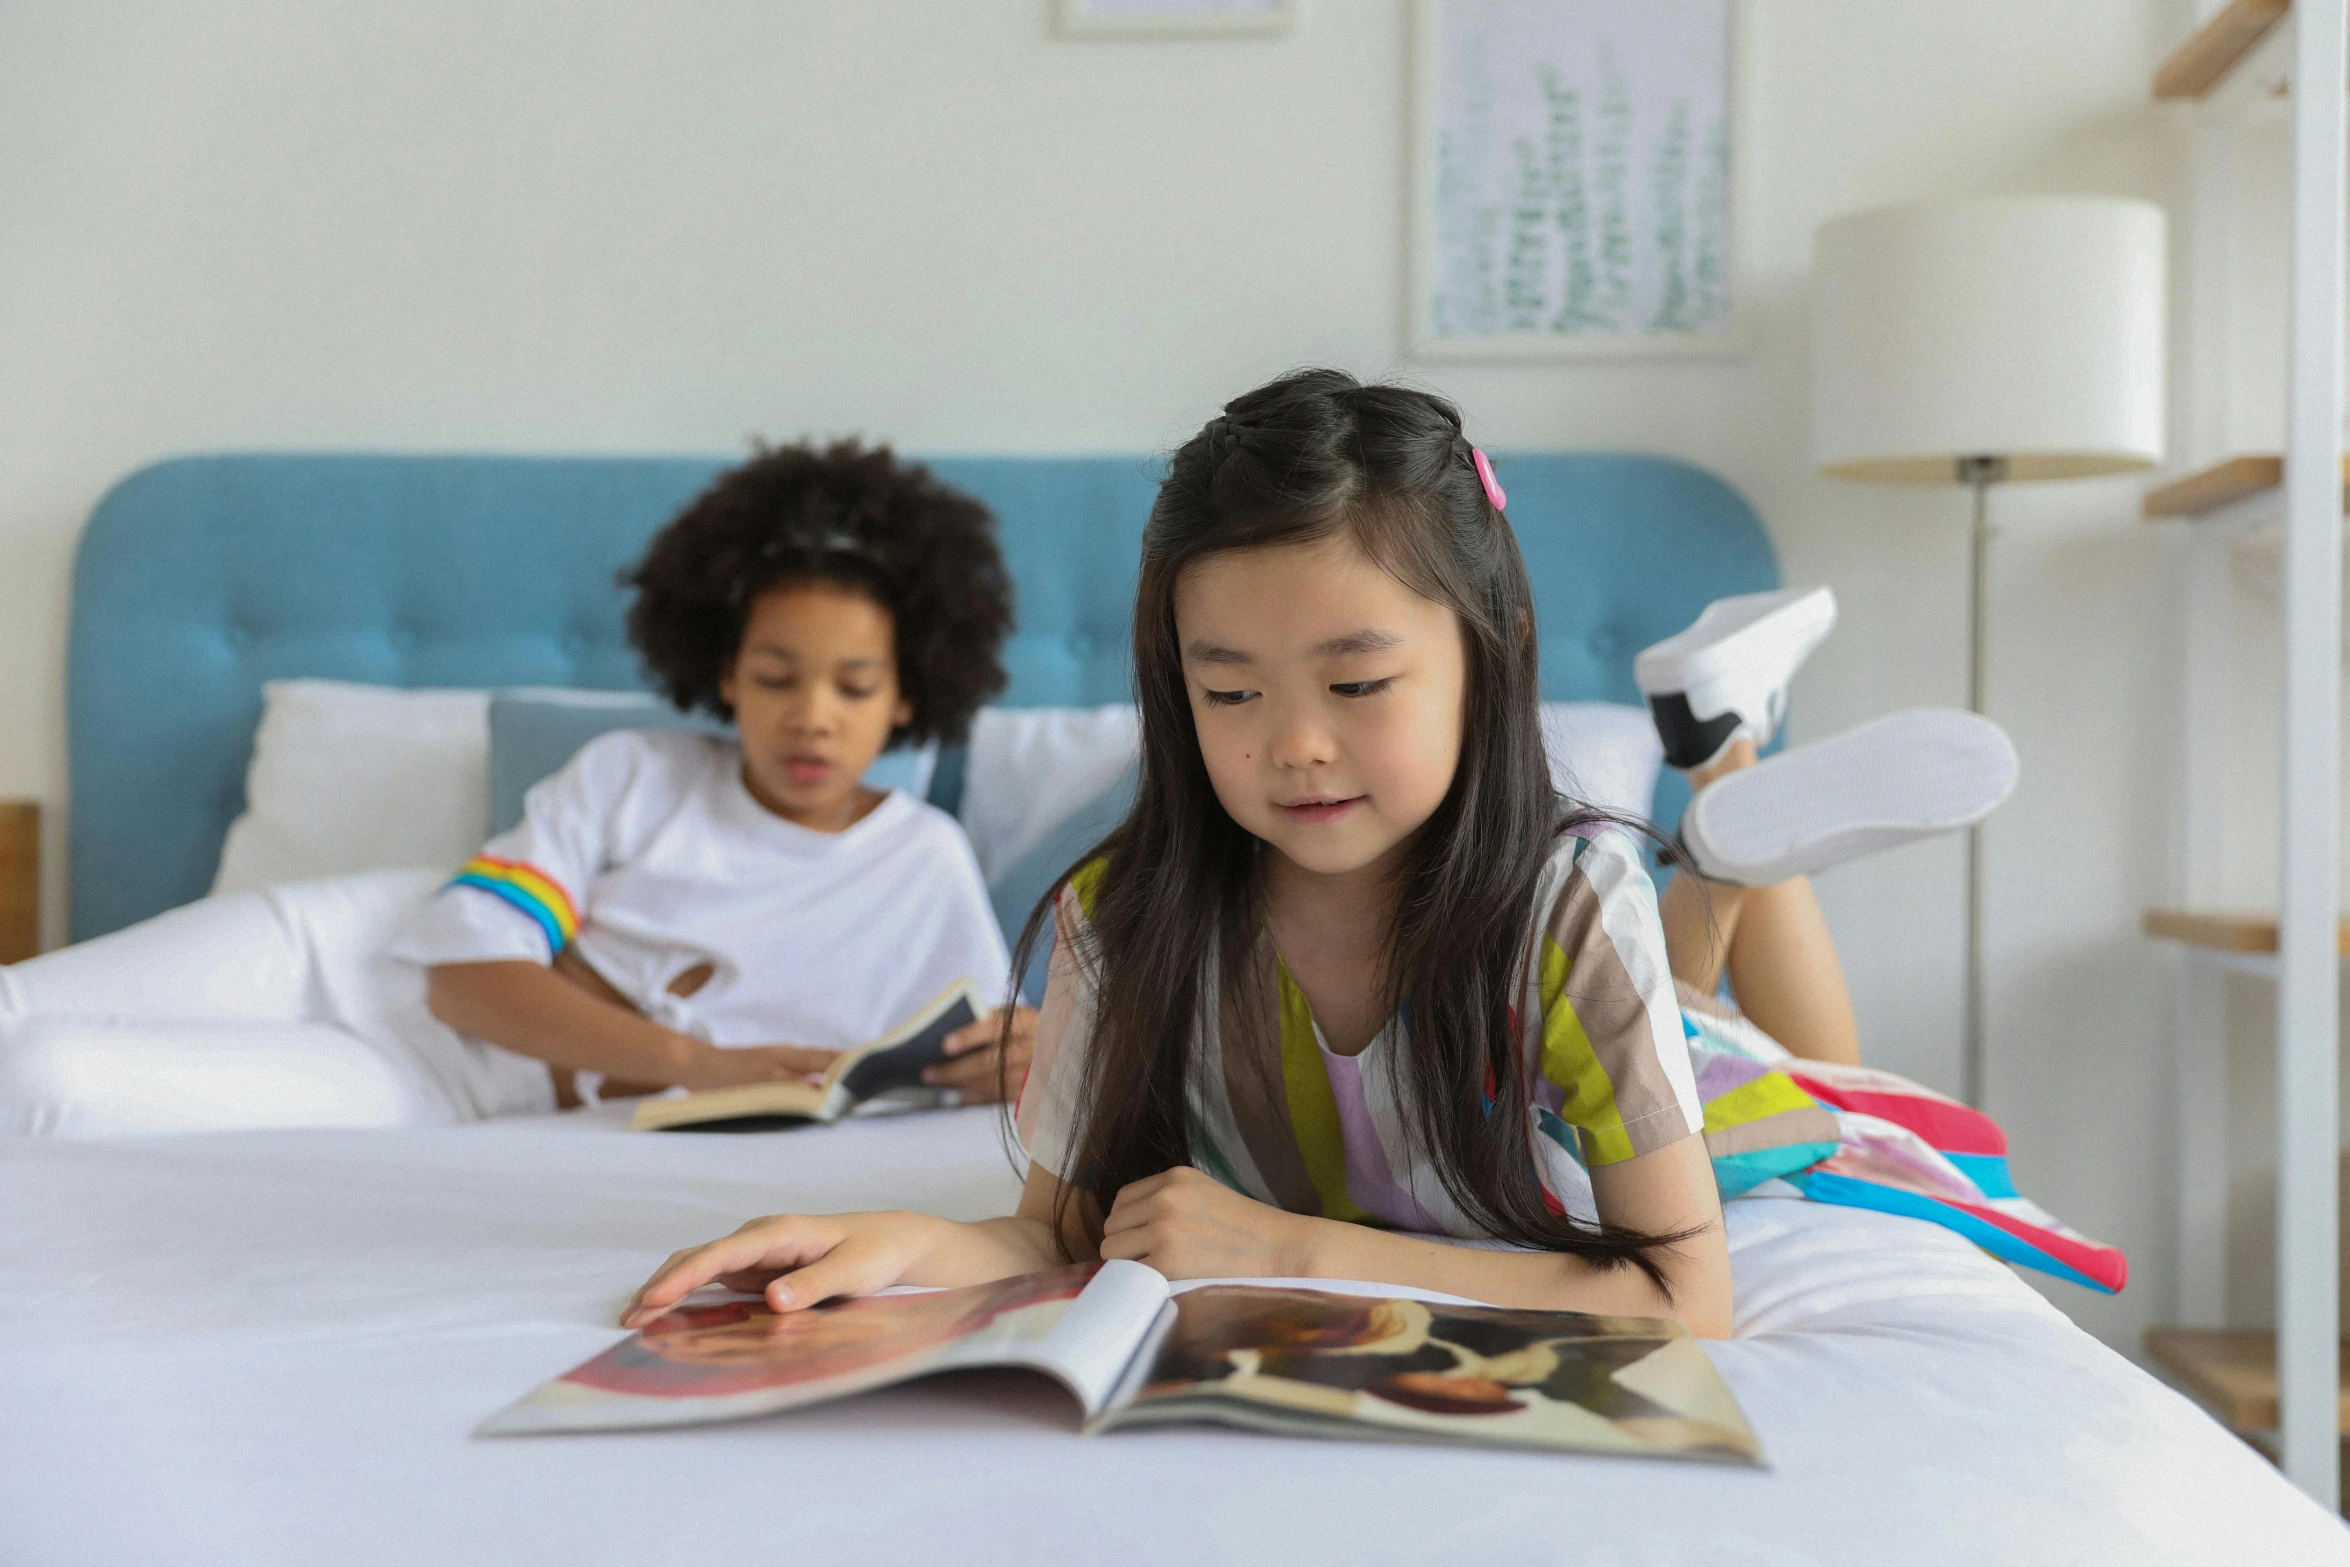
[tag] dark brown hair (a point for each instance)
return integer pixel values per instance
(1306, 457)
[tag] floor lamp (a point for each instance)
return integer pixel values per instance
(1984, 342)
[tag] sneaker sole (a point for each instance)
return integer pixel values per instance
(1887, 783)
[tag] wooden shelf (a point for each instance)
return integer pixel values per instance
(2208, 489)
(2226, 932)
(2232, 1374)
(2222, 484)
(20, 880)
(2203, 61)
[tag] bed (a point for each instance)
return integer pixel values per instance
(270, 1346)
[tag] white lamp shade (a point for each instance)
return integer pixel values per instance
(2028, 328)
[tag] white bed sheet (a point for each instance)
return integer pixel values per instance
(269, 1348)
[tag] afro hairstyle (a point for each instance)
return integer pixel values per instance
(848, 514)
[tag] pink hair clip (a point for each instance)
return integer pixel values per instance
(1493, 490)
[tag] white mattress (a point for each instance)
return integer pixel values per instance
(269, 1347)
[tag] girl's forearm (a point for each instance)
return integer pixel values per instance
(534, 1011)
(953, 1252)
(1545, 1281)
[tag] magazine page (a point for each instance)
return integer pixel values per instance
(1315, 1362)
(735, 1359)
(1091, 1346)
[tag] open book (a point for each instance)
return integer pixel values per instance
(890, 1065)
(1136, 1351)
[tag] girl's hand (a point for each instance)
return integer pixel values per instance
(972, 1057)
(795, 1261)
(1192, 1226)
(716, 1066)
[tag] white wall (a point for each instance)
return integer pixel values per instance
(528, 226)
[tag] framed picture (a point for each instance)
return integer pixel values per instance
(1576, 189)
(1173, 18)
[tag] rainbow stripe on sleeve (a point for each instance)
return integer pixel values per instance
(528, 889)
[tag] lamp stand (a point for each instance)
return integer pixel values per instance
(1977, 474)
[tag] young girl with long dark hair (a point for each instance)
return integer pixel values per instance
(1350, 968)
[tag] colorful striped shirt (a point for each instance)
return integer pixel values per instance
(1278, 1115)
(1622, 1061)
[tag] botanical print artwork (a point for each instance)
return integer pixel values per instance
(1580, 192)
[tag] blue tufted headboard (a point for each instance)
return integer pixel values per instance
(201, 577)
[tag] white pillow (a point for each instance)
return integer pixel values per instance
(1032, 768)
(349, 777)
(1604, 754)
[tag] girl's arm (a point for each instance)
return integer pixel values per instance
(1189, 1225)
(800, 1260)
(538, 1011)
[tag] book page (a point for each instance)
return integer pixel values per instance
(734, 1359)
(891, 1065)
(751, 1107)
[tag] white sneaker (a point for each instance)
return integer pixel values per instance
(1725, 678)
(1890, 782)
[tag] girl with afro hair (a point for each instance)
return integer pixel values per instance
(701, 910)
(689, 907)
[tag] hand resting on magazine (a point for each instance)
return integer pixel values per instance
(1185, 1224)
(1182, 1223)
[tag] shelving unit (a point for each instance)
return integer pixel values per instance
(2219, 46)
(2246, 54)
(2253, 476)
(2232, 1374)
(20, 879)
(2228, 934)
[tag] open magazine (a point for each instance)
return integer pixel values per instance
(1136, 1351)
(890, 1066)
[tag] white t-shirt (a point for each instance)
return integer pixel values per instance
(648, 857)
